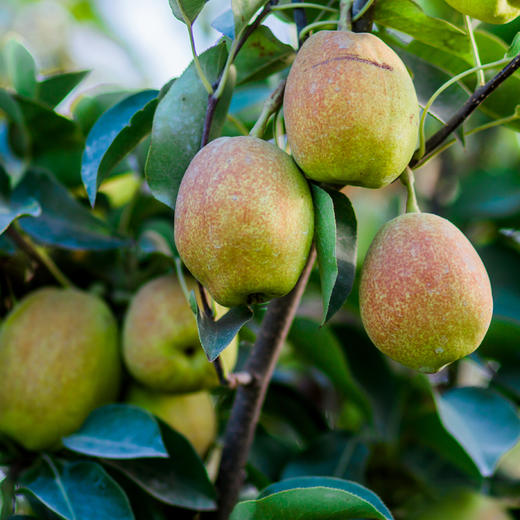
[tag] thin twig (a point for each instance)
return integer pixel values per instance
(271, 106)
(219, 369)
(300, 20)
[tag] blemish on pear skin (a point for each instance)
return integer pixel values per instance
(354, 57)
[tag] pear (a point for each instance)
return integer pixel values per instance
(351, 110)
(424, 295)
(59, 359)
(244, 220)
(161, 346)
(193, 415)
(489, 11)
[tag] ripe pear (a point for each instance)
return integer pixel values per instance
(59, 359)
(244, 220)
(351, 110)
(161, 346)
(489, 11)
(424, 295)
(193, 415)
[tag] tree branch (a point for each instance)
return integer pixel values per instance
(477, 98)
(249, 399)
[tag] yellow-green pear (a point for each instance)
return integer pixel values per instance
(351, 110)
(59, 359)
(244, 220)
(424, 295)
(191, 414)
(489, 11)
(161, 346)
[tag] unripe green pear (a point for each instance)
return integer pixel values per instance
(193, 415)
(244, 220)
(59, 359)
(489, 11)
(351, 110)
(161, 346)
(424, 295)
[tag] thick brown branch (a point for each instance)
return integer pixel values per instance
(477, 98)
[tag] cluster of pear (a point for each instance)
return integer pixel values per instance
(244, 213)
(60, 358)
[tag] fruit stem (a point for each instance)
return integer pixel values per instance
(271, 106)
(301, 5)
(474, 49)
(200, 72)
(408, 179)
(345, 21)
(315, 25)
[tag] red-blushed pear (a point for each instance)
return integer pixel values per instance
(193, 415)
(59, 359)
(489, 11)
(161, 346)
(351, 110)
(244, 220)
(424, 295)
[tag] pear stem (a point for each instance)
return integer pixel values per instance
(408, 179)
(271, 106)
(345, 21)
(474, 49)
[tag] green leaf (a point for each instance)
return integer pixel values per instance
(77, 491)
(243, 11)
(114, 135)
(187, 10)
(336, 245)
(262, 55)
(313, 498)
(408, 17)
(63, 222)
(215, 336)
(54, 89)
(514, 48)
(484, 423)
(9, 106)
(21, 69)
(178, 124)
(118, 431)
(180, 480)
(17, 206)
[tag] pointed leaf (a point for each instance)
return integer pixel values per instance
(118, 431)
(336, 244)
(215, 336)
(178, 124)
(114, 135)
(187, 10)
(483, 422)
(313, 498)
(77, 491)
(53, 89)
(21, 69)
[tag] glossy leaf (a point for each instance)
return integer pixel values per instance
(114, 135)
(180, 480)
(215, 336)
(77, 491)
(178, 124)
(313, 498)
(118, 431)
(53, 89)
(336, 245)
(187, 10)
(484, 423)
(21, 69)
(63, 222)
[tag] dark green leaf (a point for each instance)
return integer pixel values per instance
(114, 135)
(336, 245)
(21, 68)
(55, 88)
(215, 336)
(77, 491)
(313, 498)
(63, 222)
(180, 480)
(118, 431)
(484, 423)
(262, 55)
(17, 206)
(10, 107)
(187, 10)
(178, 124)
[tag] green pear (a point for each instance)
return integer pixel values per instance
(193, 415)
(465, 505)
(424, 295)
(489, 11)
(161, 346)
(59, 359)
(351, 110)
(244, 220)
